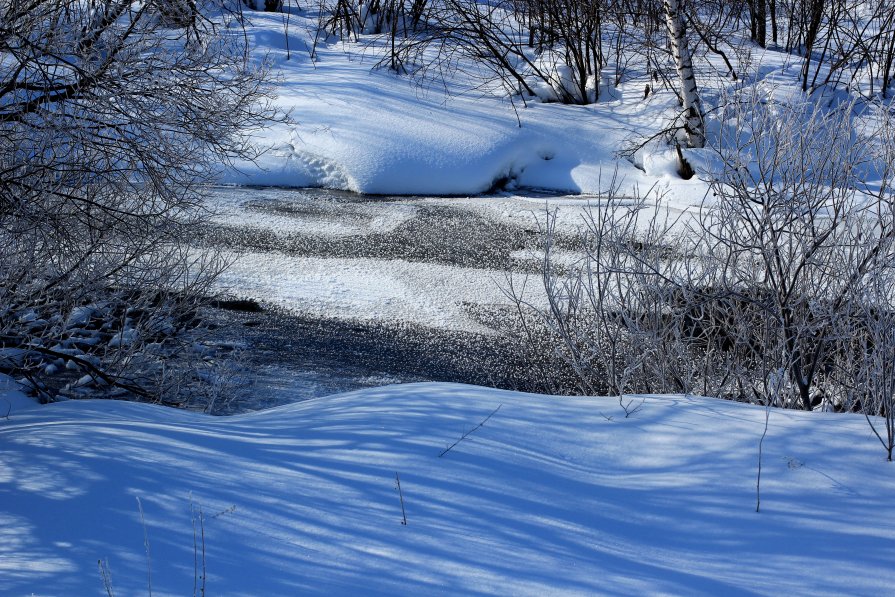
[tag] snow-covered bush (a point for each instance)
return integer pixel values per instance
(778, 290)
(110, 121)
(627, 315)
(869, 374)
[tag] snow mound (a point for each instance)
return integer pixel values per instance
(369, 131)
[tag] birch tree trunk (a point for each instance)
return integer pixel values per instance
(693, 117)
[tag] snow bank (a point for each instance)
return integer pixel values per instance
(373, 132)
(549, 496)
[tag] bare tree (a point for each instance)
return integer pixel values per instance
(112, 117)
(758, 27)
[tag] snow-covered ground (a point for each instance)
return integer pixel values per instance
(371, 131)
(549, 496)
(368, 130)
(381, 283)
(428, 294)
(347, 257)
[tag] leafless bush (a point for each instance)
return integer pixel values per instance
(112, 115)
(797, 230)
(869, 370)
(607, 304)
(753, 298)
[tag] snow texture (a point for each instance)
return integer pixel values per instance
(550, 496)
(369, 289)
(370, 131)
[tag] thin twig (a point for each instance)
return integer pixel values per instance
(448, 449)
(146, 544)
(195, 547)
(627, 407)
(401, 497)
(767, 416)
(202, 534)
(106, 575)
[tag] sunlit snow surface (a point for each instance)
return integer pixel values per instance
(365, 288)
(273, 227)
(549, 496)
(289, 211)
(367, 130)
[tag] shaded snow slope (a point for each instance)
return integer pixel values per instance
(550, 496)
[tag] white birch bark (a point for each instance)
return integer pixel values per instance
(693, 116)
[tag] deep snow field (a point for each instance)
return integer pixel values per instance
(549, 496)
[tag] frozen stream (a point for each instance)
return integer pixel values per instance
(358, 291)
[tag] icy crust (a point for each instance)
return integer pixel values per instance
(549, 496)
(427, 294)
(286, 212)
